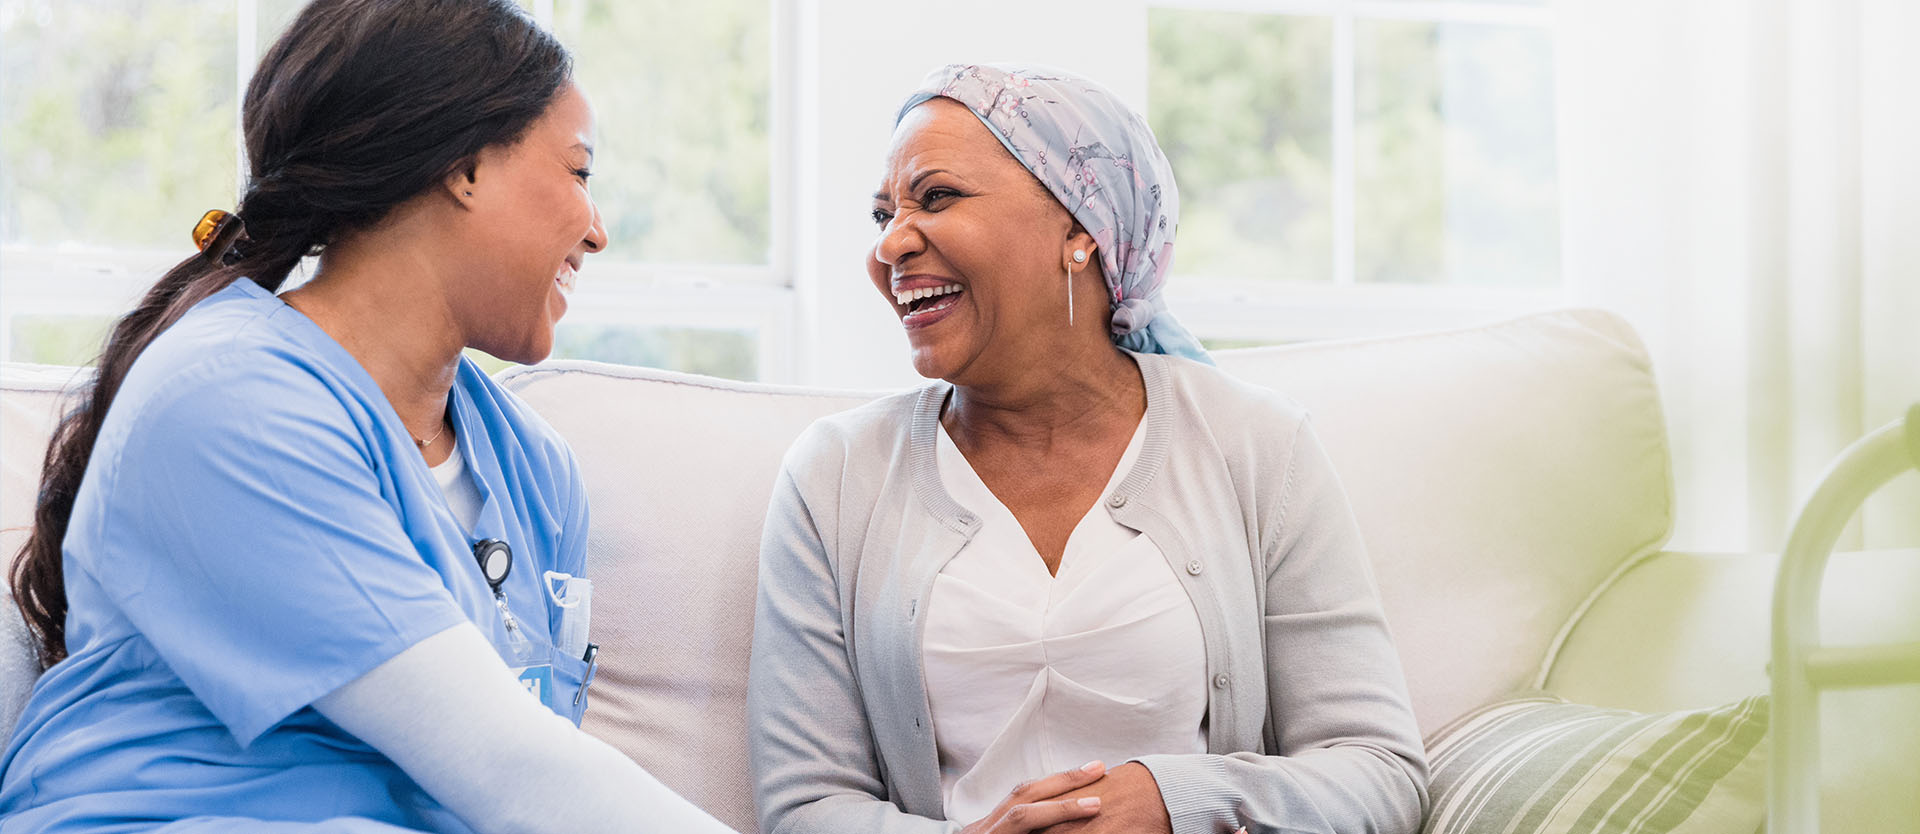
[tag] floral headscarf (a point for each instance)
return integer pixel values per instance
(1100, 160)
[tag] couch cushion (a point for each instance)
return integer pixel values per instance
(1536, 764)
(679, 470)
(1499, 474)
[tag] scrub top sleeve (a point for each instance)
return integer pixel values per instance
(248, 539)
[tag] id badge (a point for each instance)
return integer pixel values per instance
(538, 680)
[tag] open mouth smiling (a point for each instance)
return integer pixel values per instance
(925, 297)
(924, 305)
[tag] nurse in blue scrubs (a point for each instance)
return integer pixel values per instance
(297, 564)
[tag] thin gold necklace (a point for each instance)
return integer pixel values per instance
(423, 444)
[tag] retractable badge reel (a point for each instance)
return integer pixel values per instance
(495, 558)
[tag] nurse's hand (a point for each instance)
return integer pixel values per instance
(1040, 803)
(1130, 803)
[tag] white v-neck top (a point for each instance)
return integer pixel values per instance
(1029, 673)
(463, 497)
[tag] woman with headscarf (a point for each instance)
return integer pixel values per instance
(1082, 543)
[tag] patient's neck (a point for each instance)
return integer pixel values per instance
(1089, 395)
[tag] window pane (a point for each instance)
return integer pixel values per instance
(729, 353)
(57, 340)
(723, 353)
(681, 92)
(1241, 104)
(1454, 163)
(116, 119)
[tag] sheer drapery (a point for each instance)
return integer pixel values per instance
(1741, 180)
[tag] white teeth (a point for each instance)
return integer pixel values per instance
(565, 279)
(901, 298)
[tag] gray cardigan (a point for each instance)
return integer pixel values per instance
(1308, 723)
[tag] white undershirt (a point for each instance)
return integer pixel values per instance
(1030, 674)
(463, 496)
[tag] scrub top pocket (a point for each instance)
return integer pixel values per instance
(571, 677)
(572, 611)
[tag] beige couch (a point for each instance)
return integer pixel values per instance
(1512, 481)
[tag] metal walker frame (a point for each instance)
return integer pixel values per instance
(1802, 668)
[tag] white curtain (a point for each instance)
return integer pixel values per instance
(1742, 181)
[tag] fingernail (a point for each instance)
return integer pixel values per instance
(1091, 803)
(1092, 766)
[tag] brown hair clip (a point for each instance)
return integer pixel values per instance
(204, 230)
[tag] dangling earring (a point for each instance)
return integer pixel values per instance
(1079, 257)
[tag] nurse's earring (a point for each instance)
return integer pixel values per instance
(1079, 257)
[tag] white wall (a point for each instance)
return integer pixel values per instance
(858, 59)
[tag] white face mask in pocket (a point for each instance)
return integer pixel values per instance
(574, 596)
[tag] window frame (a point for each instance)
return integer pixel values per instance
(105, 281)
(784, 301)
(1243, 309)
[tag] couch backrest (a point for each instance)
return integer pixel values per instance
(1500, 474)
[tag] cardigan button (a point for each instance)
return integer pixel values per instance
(1193, 567)
(1221, 680)
(1117, 501)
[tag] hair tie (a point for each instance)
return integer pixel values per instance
(208, 226)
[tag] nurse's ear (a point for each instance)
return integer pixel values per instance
(461, 183)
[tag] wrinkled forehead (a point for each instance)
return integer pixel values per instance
(943, 133)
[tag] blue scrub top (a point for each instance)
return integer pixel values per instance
(256, 528)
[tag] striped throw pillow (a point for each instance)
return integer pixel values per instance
(1536, 764)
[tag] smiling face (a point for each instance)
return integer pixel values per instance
(972, 251)
(530, 223)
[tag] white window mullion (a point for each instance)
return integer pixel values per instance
(779, 360)
(780, 135)
(1344, 71)
(246, 55)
